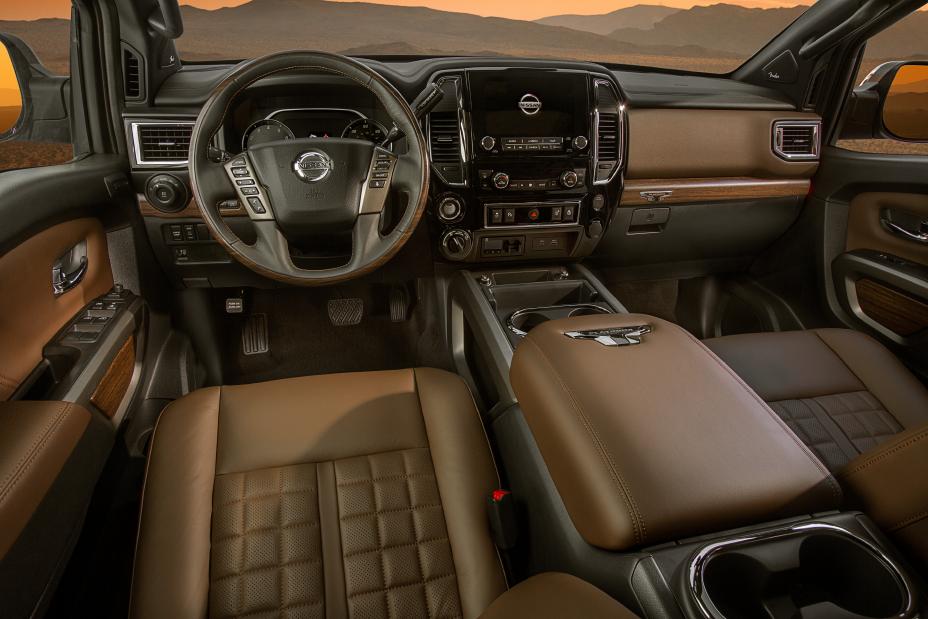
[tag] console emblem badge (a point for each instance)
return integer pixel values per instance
(619, 336)
(312, 166)
(530, 104)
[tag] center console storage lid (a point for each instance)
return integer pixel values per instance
(660, 440)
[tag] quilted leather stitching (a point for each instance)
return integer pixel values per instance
(266, 558)
(859, 415)
(395, 546)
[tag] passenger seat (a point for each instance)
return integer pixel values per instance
(840, 391)
(862, 412)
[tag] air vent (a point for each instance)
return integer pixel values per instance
(797, 140)
(161, 143)
(132, 74)
(607, 152)
(445, 137)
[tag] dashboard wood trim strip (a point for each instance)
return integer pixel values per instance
(191, 210)
(688, 190)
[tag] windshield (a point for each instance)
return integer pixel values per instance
(674, 34)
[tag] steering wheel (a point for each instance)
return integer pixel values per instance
(300, 189)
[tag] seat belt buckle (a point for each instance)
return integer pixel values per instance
(501, 511)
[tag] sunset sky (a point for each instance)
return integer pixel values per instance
(514, 9)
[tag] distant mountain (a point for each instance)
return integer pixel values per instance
(904, 40)
(727, 27)
(263, 26)
(641, 16)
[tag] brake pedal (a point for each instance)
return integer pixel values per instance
(345, 312)
(254, 335)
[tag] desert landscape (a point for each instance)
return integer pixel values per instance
(714, 39)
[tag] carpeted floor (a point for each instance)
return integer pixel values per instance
(304, 342)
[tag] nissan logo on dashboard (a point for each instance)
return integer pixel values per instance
(313, 166)
(530, 104)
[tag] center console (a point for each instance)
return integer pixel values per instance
(638, 462)
(527, 163)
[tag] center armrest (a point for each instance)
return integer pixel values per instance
(659, 440)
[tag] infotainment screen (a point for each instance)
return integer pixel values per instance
(524, 102)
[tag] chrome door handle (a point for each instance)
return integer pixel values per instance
(69, 269)
(894, 228)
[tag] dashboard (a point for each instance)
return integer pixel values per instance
(531, 161)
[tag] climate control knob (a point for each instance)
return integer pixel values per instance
(450, 209)
(580, 142)
(456, 244)
(569, 179)
(501, 180)
(488, 142)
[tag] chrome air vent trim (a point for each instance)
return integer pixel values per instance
(462, 158)
(608, 131)
(137, 130)
(797, 140)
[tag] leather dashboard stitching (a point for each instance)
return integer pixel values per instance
(829, 478)
(28, 459)
(638, 525)
(888, 453)
(909, 521)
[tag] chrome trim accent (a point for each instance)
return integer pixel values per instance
(134, 128)
(779, 125)
(701, 558)
(313, 109)
(599, 82)
(313, 166)
(528, 310)
(488, 205)
(616, 336)
(656, 196)
(462, 130)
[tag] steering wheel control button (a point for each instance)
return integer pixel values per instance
(376, 184)
(238, 172)
(249, 191)
(256, 206)
(245, 181)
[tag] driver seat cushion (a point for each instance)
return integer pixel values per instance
(338, 495)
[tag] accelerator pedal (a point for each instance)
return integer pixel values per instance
(345, 312)
(399, 303)
(254, 335)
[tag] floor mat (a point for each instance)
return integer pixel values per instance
(303, 341)
(655, 298)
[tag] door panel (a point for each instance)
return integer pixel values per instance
(864, 230)
(30, 312)
(875, 279)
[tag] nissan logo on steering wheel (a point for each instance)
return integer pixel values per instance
(530, 104)
(313, 166)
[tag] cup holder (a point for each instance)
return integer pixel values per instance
(810, 571)
(524, 320)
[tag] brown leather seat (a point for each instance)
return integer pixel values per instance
(862, 412)
(840, 391)
(343, 495)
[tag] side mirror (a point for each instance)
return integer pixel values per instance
(11, 95)
(905, 108)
